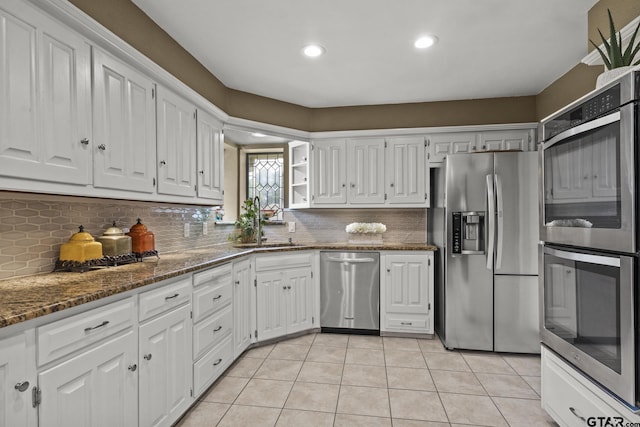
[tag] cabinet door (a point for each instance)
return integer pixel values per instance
(271, 321)
(366, 170)
(98, 388)
(407, 284)
(405, 170)
(299, 299)
(176, 127)
(330, 172)
(45, 97)
(439, 145)
(242, 319)
(165, 368)
(504, 140)
(124, 123)
(210, 158)
(17, 378)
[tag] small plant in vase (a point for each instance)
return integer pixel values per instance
(616, 58)
(247, 223)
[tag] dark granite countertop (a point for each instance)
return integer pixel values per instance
(29, 297)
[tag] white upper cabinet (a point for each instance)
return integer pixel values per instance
(504, 140)
(210, 157)
(45, 99)
(406, 170)
(176, 124)
(299, 175)
(330, 170)
(366, 177)
(124, 123)
(439, 145)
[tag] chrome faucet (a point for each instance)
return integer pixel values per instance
(256, 204)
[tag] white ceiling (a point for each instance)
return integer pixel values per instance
(486, 48)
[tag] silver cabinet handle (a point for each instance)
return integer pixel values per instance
(391, 185)
(147, 356)
(574, 412)
(288, 287)
(201, 172)
(237, 282)
(284, 287)
(102, 147)
(91, 328)
(217, 329)
(344, 185)
(217, 362)
(217, 297)
(171, 297)
(133, 367)
(406, 323)
(162, 163)
(353, 185)
(22, 387)
(84, 141)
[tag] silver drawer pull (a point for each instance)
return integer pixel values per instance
(218, 297)
(133, 367)
(574, 412)
(406, 323)
(22, 387)
(171, 297)
(217, 329)
(147, 356)
(217, 362)
(91, 328)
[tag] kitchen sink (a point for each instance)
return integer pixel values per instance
(267, 245)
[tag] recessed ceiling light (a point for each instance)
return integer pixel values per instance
(425, 42)
(258, 135)
(313, 50)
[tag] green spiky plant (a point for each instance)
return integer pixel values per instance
(615, 57)
(246, 225)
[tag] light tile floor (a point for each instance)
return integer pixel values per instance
(353, 380)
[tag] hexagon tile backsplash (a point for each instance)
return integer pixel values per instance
(33, 226)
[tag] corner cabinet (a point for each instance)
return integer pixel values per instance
(406, 292)
(242, 302)
(176, 145)
(299, 175)
(210, 157)
(124, 123)
(285, 293)
(17, 379)
(45, 98)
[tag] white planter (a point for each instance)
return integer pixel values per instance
(610, 75)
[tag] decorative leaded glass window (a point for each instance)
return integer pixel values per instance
(265, 178)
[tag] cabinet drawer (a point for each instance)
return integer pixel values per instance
(407, 323)
(64, 336)
(209, 299)
(217, 274)
(165, 298)
(566, 399)
(212, 365)
(283, 261)
(211, 331)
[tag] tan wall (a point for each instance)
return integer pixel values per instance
(622, 11)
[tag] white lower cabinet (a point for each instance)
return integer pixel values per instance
(285, 295)
(165, 367)
(96, 388)
(17, 379)
(242, 318)
(406, 292)
(573, 400)
(213, 329)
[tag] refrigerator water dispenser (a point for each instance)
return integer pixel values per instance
(468, 233)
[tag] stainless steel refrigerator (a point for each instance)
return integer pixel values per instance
(485, 222)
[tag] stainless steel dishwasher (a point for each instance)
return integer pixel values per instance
(350, 292)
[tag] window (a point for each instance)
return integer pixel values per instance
(265, 178)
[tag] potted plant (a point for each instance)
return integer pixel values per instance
(247, 223)
(616, 58)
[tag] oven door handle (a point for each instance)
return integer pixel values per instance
(591, 259)
(594, 124)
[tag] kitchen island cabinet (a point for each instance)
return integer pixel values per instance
(17, 379)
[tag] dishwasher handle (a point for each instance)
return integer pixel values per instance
(353, 260)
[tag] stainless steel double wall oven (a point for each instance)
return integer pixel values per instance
(589, 229)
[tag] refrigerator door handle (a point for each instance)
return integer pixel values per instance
(500, 221)
(491, 221)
